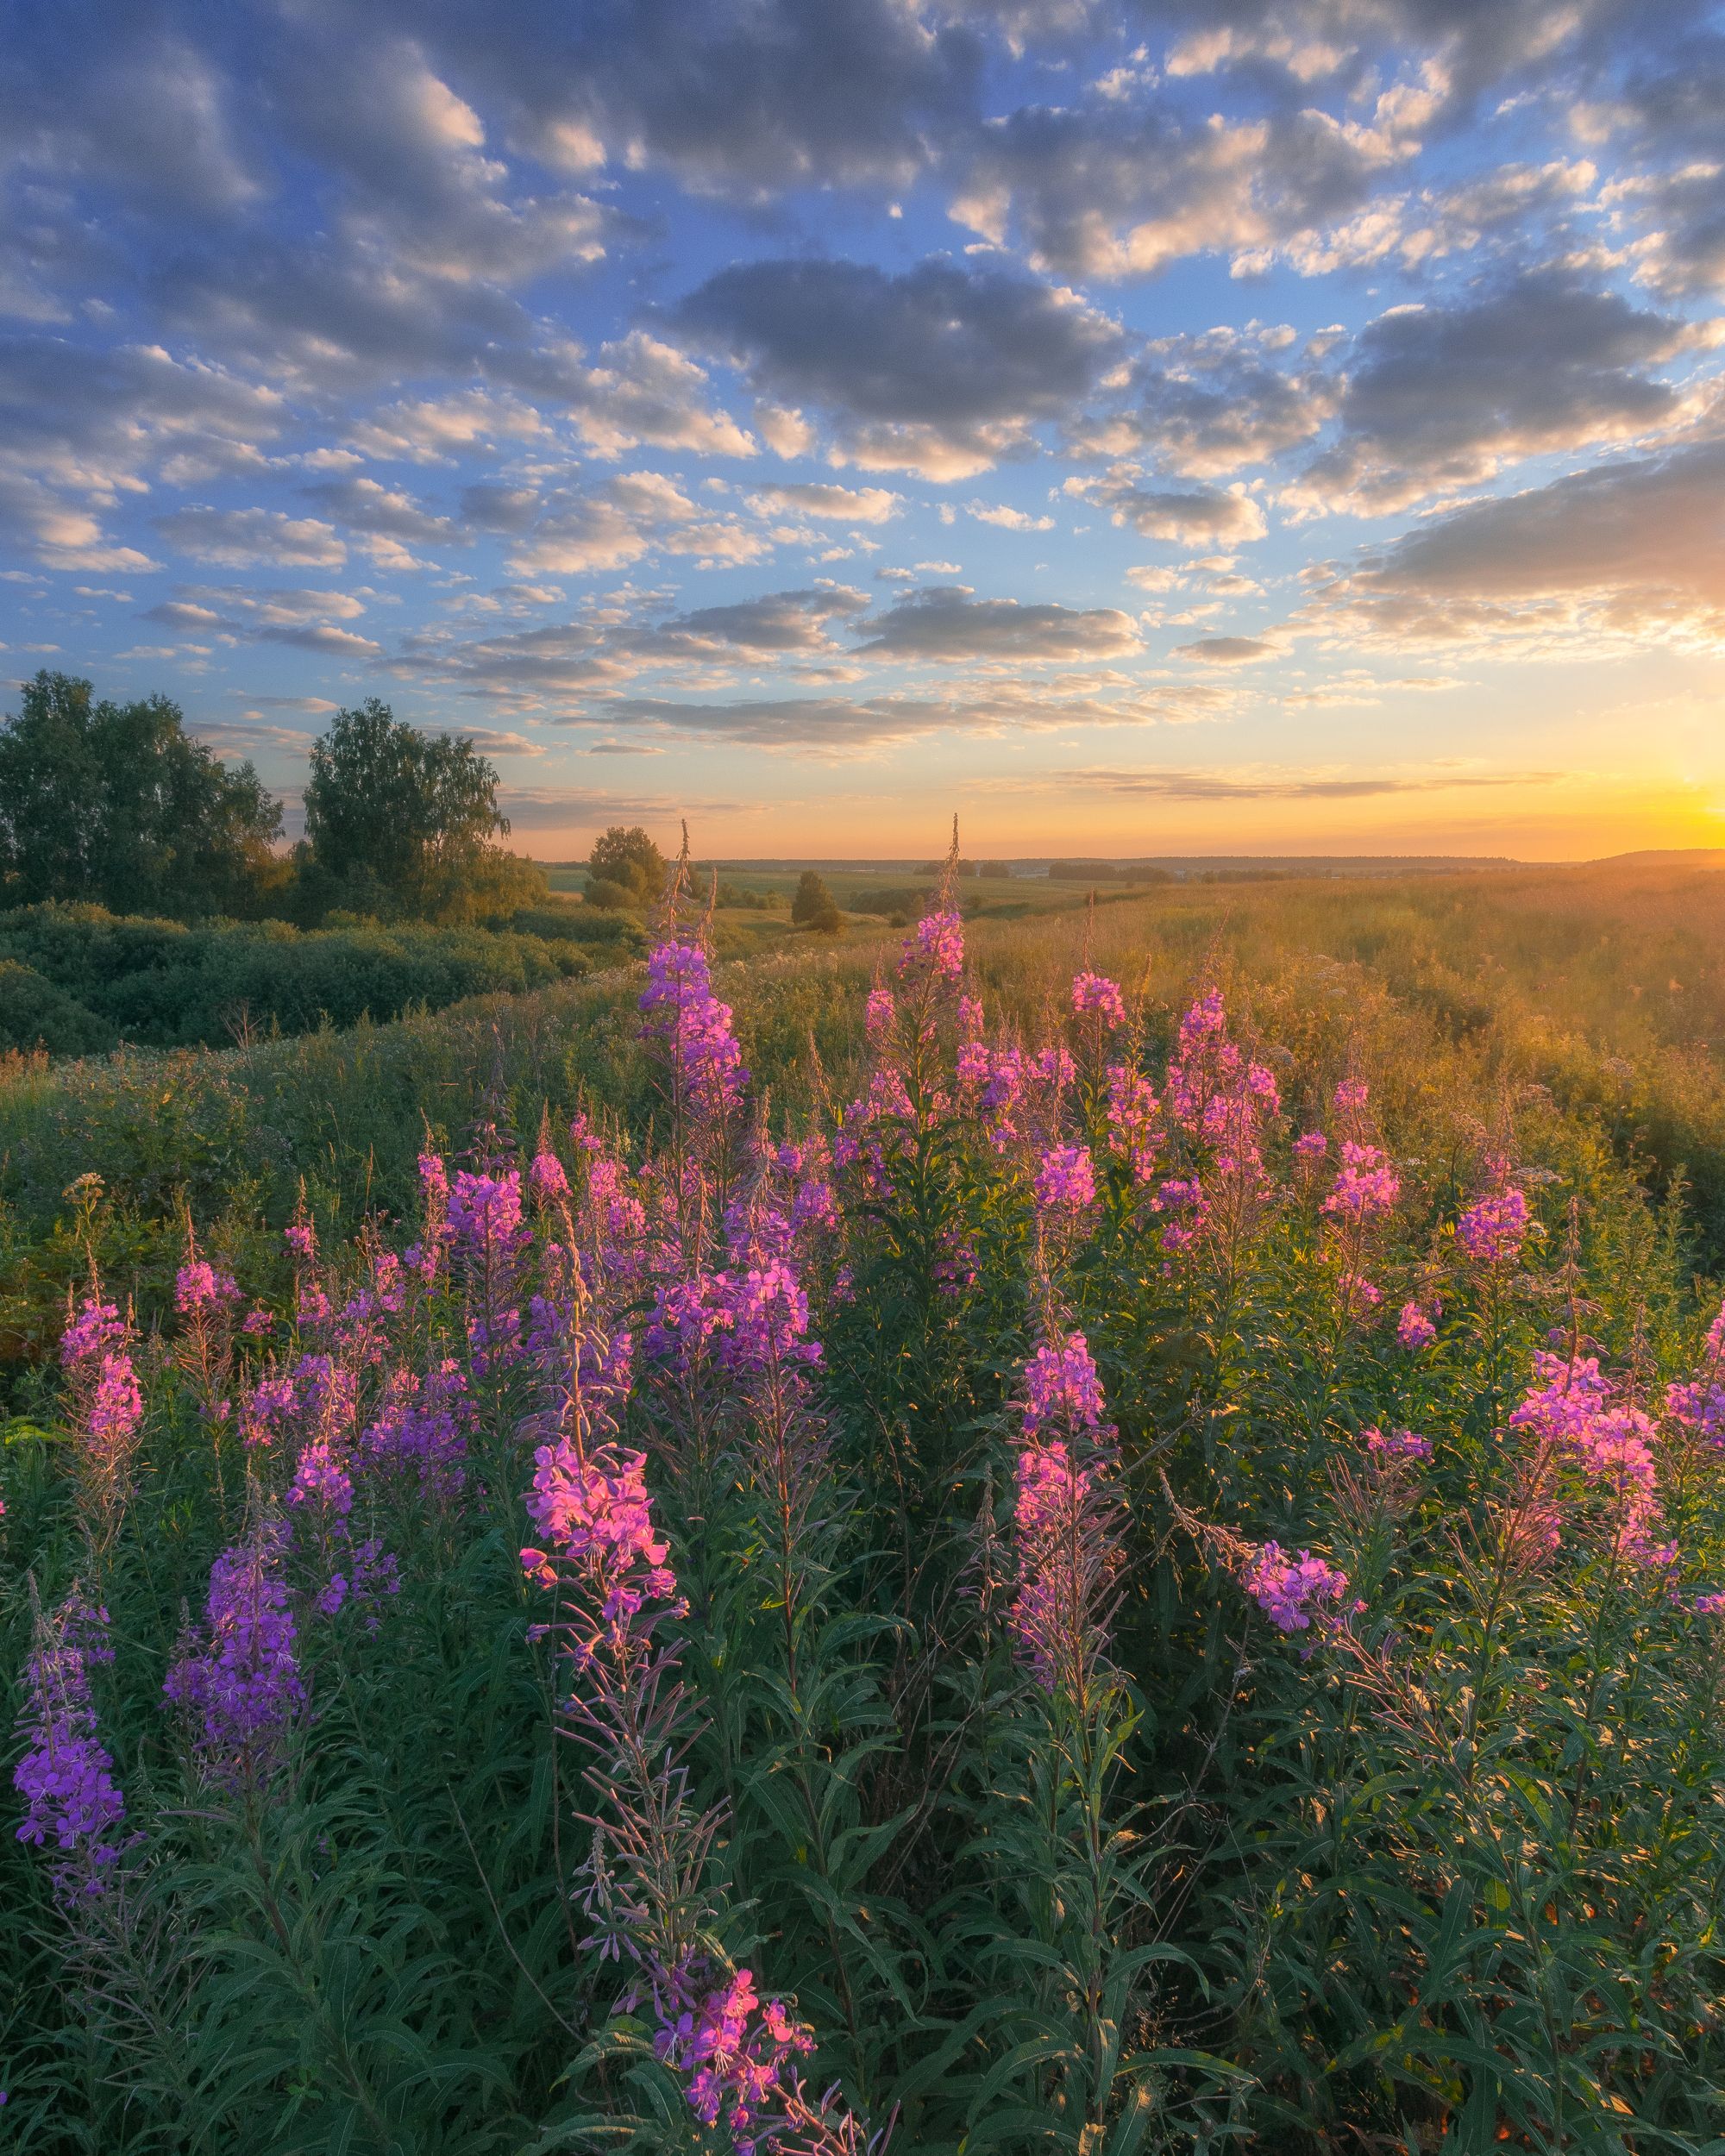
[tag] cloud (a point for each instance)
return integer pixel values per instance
(945, 622)
(573, 531)
(1440, 397)
(382, 513)
(846, 725)
(779, 621)
(738, 102)
(1006, 518)
(1228, 651)
(247, 737)
(495, 745)
(1122, 188)
(940, 370)
(1284, 786)
(1200, 515)
(1602, 561)
(305, 619)
(643, 390)
(1209, 406)
(246, 538)
(842, 505)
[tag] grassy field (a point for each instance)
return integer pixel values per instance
(1131, 1498)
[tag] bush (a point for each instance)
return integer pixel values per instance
(34, 1014)
(161, 984)
(814, 907)
(609, 897)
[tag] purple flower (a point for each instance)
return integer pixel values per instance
(117, 1405)
(1095, 992)
(1492, 1231)
(1396, 1445)
(1366, 1185)
(301, 1237)
(320, 1479)
(485, 1211)
(1292, 1591)
(66, 1774)
(1133, 1132)
(240, 1686)
(1061, 1385)
(882, 1013)
(733, 2052)
(548, 1179)
(198, 1285)
(1065, 1180)
(97, 1327)
(1413, 1329)
(681, 1011)
(936, 944)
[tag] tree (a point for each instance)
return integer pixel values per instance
(814, 907)
(117, 805)
(628, 860)
(400, 822)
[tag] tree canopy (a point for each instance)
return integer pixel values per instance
(398, 821)
(814, 905)
(116, 804)
(628, 861)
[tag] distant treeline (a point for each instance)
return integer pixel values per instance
(1105, 872)
(77, 981)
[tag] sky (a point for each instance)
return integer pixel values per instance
(1138, 426)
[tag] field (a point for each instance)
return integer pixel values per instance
(1036, 1527)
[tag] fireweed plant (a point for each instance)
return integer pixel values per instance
(1089, 1595)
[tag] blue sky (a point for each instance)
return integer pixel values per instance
(1151, 427)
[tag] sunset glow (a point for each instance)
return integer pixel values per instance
(1153, 428)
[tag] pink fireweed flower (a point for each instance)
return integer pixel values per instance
(1095, 992)
(1413, 1329)
(680, 1011)
(734, 2053)
(596, 1514)
(1350, 1096)
(1065, 1180)
(1061, 1386)
(1310, 1152)
(321, 1482)
(422, 1427)
(970, 1018)
(66, 1774)
(766, 1315)
(936, 945)
(257, 1322)
(97, 1327)
(117, 1405)
(1205, 1061)
(1366, 1185)
(548, 1179)
(1182, 1197)
(268, 1409)
(301, 1237)
(240, 1687)
(485, 1211)
(1133, 1132)
(1065, 1520)
(882, 1014)
(197, 1286)
(1492, 1231)
(1292, 1592)
(1396, 1444)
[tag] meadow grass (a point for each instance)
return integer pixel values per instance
(1129, 1524)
